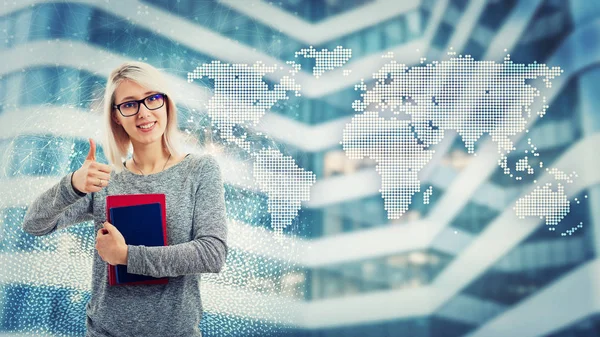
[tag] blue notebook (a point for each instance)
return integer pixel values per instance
(139, 225)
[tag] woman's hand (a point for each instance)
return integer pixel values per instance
(111, 245)
(91, 176)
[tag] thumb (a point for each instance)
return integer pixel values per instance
(108, 226)
(92, 153)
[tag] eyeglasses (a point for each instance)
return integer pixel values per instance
(131, 108)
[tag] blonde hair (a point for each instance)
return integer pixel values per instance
(117, 142)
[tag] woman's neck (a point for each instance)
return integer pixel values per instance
(149, 158)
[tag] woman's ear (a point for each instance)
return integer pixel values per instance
(116, 120)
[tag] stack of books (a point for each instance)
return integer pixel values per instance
(142, 220)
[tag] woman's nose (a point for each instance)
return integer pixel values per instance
(144, 111)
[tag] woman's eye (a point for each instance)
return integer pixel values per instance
(128, 105)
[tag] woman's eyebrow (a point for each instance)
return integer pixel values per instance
(131, 97)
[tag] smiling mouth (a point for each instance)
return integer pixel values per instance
(149, 126)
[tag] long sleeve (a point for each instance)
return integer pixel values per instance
(207, 252)
(57, 208)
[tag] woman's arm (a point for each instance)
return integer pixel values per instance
(207, 252)
(57, 208)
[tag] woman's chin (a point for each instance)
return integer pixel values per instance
(146, 140)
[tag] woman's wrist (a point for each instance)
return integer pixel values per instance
(75, 189)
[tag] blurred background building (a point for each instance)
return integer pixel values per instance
(462, 265)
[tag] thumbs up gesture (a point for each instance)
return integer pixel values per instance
(91, 176)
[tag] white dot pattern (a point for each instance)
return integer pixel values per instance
(523, 165)
(545, 203)
(241, 98)
(398, 153)
(427, 195)
(572, 230)
(285, 183)
(326, 60)
(470, 97)
(560, 175)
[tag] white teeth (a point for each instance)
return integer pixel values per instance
(147, 126)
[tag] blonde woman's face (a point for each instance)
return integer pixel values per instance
(129, 91)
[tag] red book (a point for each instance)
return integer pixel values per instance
(114, 201)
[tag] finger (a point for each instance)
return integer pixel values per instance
(94, 184)
(95, 175)
(92, 153)
(102, 167)
(93, 188)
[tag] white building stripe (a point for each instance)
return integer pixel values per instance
(328, 29)
(564, 302)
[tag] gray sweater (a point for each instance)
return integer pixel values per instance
(197, 237)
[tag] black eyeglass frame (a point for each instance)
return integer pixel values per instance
(142, 101)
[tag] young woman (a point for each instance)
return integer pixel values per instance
(140, 114)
